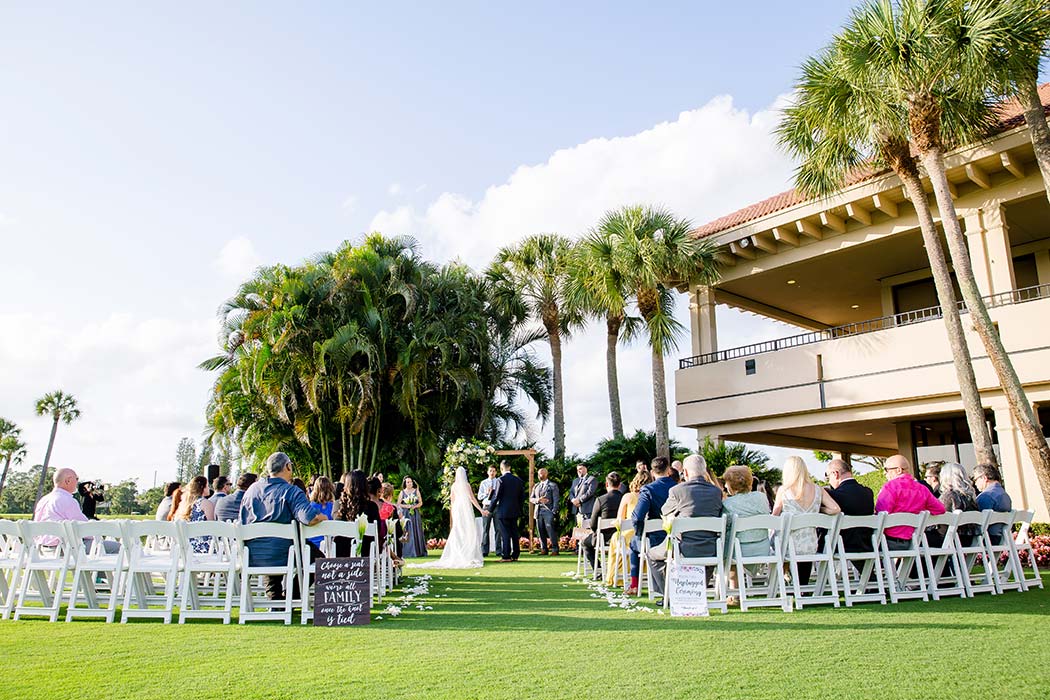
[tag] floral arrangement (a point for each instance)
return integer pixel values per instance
(473, 455)
(1041, 549)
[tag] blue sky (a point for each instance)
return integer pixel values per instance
(149, 157)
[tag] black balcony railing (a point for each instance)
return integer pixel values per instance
(1017, 296)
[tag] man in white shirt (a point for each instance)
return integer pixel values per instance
(486, 492)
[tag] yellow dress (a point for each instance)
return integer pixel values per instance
(616, 547)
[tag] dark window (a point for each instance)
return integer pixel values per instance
(749, 366)
(1025, 272)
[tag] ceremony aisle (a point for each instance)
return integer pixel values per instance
(525, 630)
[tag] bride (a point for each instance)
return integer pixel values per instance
(463, 546)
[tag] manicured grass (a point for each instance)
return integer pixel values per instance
(524, 631)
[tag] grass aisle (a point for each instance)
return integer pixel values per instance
(523, 630)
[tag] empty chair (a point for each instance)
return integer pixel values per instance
(823, 584)
(1025, 552)
(977, 578)
(944, 566)
(152, 549)
(254, 607)
(10, 565)
(1002, 557)
(326, 530)
(219, 564)
(90, 560)
(901, 567)
(759, 569)
(45, 563)
(713, 562)
(866, 586)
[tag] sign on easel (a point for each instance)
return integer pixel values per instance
(341, 594)
(688, 591)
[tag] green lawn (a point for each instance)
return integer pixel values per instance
(524, 631)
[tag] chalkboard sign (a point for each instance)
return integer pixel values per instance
(688, 591)
(341, 595)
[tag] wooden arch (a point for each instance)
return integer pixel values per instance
(531, 456)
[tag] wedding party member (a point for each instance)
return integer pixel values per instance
(581, 494)
(800, 495)
(59, 505)
(545, 498)
(992, 496)
(903, 494)
(486, 490)
(957, 494)
(463, 545)
(355, 501)
(220, 488)
(506, 507)
(650, 500)
(322, 496)
(854, 498)
(744, 503)
(164, 507)
(410, 500)
(229, 509)
(606, 507)
(627, 504)
(696, 497)
(195, 507)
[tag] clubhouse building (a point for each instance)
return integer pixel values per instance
(870, 371)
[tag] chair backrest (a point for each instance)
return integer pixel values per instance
(626, 524)
(679, 526)
(950, 521)
(253, 531)
(223, 537)
(972, 517)
(37, 535)
(150, 528)
(1024, 517)
(97, 530)
(1005, 519)
(10, 540)
(606, 523)
(913, 520)
(327, 529)
(774, 523)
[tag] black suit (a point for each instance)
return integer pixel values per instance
(606, 507)
(506, 507)
(855, 499)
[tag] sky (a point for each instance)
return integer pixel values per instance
(152, 156)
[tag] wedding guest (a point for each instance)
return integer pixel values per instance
(903, 494)
(195, 507)
(957, 494)
(300, 484)
(275, 500)
(696, 497)
(59, 505)
(627, 505)
(744, 503)
(581, 494)
(486, 490)
(220, 488)
(355, 501)
(545, 498)
(388, 513)
(410, 501)
(992, 496)
(164, 508)
(932, 478)
(176, 501)
(797, 496)
(676, 470)
(853, 498)
(229, 509)
(322, 496)
(605, 508)
(650, 500)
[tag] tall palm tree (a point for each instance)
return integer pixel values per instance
(654, 251)
(538, 269)
(11, 448)
(918, 53)
(61, 407)
(833, 128)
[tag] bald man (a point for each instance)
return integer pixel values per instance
(903, 494)
(59, 505)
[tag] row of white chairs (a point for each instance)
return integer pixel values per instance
(148, 567)
(922, 568)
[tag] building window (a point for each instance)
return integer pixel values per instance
(749, 366)
(1026, 273)
(948, 440)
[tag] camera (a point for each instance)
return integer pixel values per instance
(92, 494)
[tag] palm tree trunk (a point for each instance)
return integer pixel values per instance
(3, 477)
(342, 424)
(47, 461)
(375, 444)
(663, 446)
(1020, 407)
(554, 336)
(612, 340)
(1035, 118)
(971, 396)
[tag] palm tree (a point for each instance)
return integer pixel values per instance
(917, 54)
(654, 252)
(11, 448)
(61, 407)
(834, 128)
(537, 268)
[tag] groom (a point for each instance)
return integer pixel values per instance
(506, 507)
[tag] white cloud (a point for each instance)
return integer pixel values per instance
(238, 258)
(394, 189)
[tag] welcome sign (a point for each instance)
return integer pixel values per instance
(341, 595)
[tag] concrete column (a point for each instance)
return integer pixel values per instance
(1042, 266)
(702, 319)
(978, 252)
(988, 240)
(1019, 476)
(905, 442)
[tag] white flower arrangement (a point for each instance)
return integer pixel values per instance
(469, 454)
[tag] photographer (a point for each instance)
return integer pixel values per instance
(91, 494)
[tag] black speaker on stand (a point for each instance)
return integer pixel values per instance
(213, 472)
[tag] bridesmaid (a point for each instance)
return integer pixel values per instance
(410, 501)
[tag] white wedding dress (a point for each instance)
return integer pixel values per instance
(463, 546)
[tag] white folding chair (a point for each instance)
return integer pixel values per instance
(219, 564)
(1023, 543)
(152, 549)
(326, 530)
(901, 567)
(11, 551)
(267, 609)
(601, 547)
(90, 559)
(716, 594)
(1002, 557)
(867, 586)
(44, 567)
(376, 580)
(944, 571)
(974, 554)
(822, 561)
(581, 560)
(755, 590)
(647, 550)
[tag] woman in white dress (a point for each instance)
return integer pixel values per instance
(463, 546)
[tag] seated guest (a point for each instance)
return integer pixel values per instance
(957, 494)
(300, 484)
(744, 503)
(853, 498)
(388, 515)
(651, 500)
(164, 508)
(676, 470)
(992, 496)
(220, 488)
(903, 494)
(800, 495)
(229, 509)
(932, 478)
(322, 496)
(59, 505)
(275, 500)
(195, 507)
(605, 508)
(627, 504)
(176, 501)
(696, 497)
(354, 502)
(375, 485)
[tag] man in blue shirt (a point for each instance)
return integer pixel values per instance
(991, 496)
(276, 500)
(651, 500)
(229, 509)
